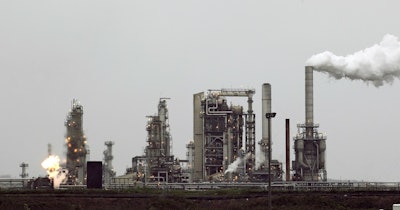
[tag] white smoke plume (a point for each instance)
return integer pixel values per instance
(235, 164)
(260, 158)
(52, 165)
(378, 64)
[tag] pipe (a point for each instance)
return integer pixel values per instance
(300, 152)
(317, 146)
(287, 149)
(209, 109)
(322, 148)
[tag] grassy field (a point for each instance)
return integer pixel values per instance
(179, 199)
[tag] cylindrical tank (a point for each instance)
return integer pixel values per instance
(299, 147)
(322, 149)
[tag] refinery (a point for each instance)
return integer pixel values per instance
(224, 152)
(224, 143)
(224, 148)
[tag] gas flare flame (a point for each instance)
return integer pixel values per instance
(55, 173)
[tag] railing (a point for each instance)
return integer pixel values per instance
(123, 183)
(13, 183)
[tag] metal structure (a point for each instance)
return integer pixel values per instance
(218, 135)
(190, 160)
(108, 169)
(76, 145)
(309, 145)
(158, 163)
(24, 166)
(263, 172)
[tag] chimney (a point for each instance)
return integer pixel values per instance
(266, 108)
(309, 101)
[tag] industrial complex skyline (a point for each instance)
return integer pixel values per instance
(119, 58)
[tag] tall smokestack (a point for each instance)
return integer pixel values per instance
(262, 157)
(266, 108)
(309, 100)
(287, 149)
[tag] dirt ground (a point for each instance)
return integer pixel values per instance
(213, 200)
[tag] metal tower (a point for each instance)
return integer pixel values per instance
(76, 145)
(108, 157)
(24, 166)
(160, 163)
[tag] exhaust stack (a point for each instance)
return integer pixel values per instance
(276, 167)
(266, 108)
(309, 100)
(309, 145)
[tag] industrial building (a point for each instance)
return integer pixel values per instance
(309, 144)
(157, 164)
(76, 145)
(224, 138)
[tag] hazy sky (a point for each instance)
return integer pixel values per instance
(119, 57)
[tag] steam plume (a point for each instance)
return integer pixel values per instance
(52, 165)
(235, 164)
(260, 158)
(378, 64)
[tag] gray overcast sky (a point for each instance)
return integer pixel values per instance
(119, 57)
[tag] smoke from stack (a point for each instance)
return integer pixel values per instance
(378, 64)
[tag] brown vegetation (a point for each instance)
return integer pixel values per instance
(213, 199)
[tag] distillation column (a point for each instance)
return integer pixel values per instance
(160, 162)
(76, 145)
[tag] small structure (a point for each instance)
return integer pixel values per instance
(24, 166)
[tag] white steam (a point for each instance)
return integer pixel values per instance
(52, 165)
(378, 64)
(260, 158)
(235, 164)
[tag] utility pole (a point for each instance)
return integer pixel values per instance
(269, 116)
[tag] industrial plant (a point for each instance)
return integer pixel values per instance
(224, 142)
(224, 148)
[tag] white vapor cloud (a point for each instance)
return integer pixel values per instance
(378, 64)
